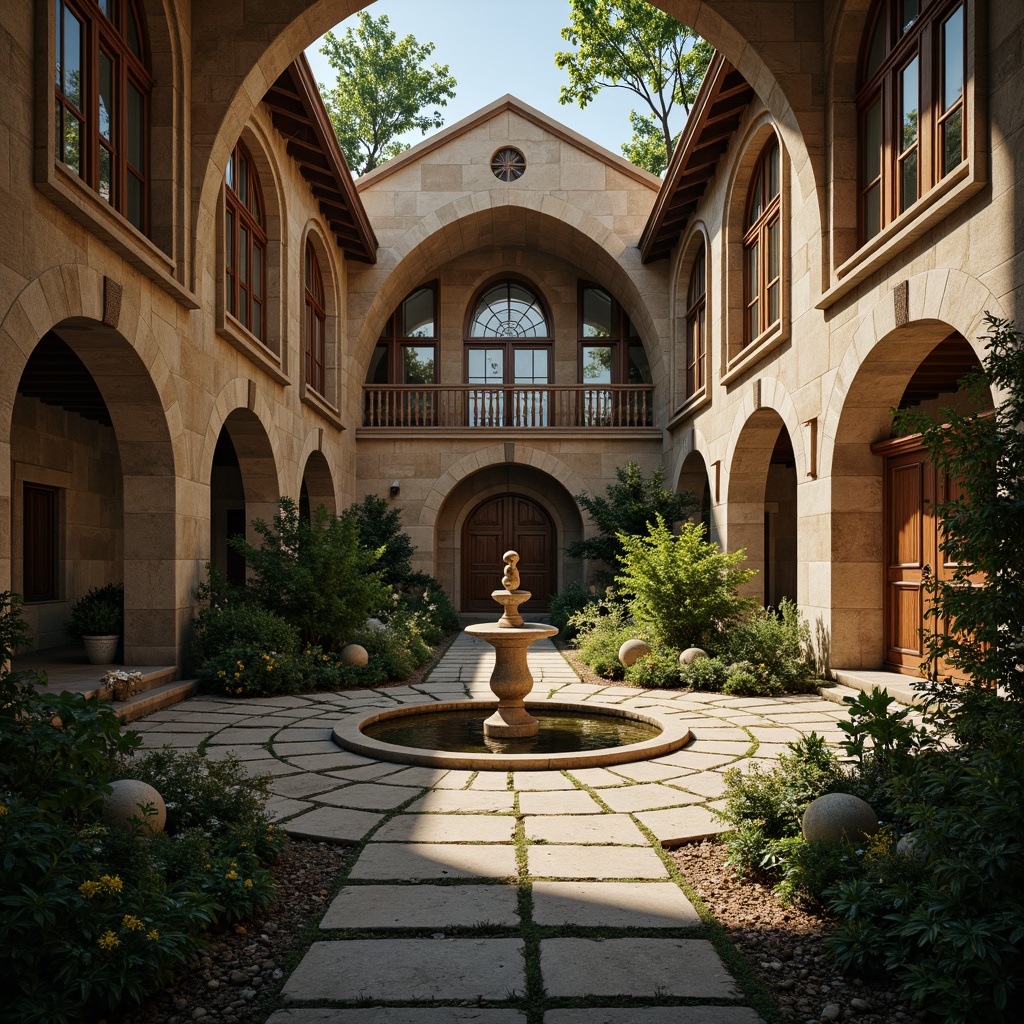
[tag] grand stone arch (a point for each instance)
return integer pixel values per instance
(770, 43)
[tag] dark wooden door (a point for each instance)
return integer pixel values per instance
(495, 526)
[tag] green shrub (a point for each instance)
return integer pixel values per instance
(682, 589)
(250, 670)
(241, 624)
(704, 674)
(630, 506)
(775, 644)
(99, 613)
(313, 574)
(601, 629)
(658, 670)
(379, 528)
(743, 680)
(565, 604)
(423, 596)
(394, 651)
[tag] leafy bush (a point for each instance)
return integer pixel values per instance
(99, 613)
(601, 629)
(704, 674)
(774, 643)
(241, 624)
(630, 506)
(763, 807)
(394, 651)
(423, 596)
(380, 530)
(565, 604)
(683, 590)
(744, 680)
(313, 574)
(658, 670)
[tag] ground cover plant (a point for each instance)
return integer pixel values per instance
(93, 918)
(315, 585)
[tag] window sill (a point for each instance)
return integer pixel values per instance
(76, 199)
(689, 407)
(241, 338)
(320, 404)
(950, 193)
(755, 352)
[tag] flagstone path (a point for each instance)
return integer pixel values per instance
(501, 897)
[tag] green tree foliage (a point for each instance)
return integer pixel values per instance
(380, 527)
(982, 520)
(383, 86)
(631, 504)
(681, 587)
(628, 44)
(313, 574)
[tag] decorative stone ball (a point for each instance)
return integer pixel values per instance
(632, 651)
(374, 625)
(838, 816)
(127, 799)
(354, 655)
(691, 654)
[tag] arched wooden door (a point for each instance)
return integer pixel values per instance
(508, 521)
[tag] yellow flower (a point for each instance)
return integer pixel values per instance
(133, 924)
(109, 941)
(112, 883)
(236, 675)
(243, 845)
(152, 935)
(221, 674)
(270, 668)
(248, 883)
(208, 866)
(231, 876)
(3, 810)
(89, 889)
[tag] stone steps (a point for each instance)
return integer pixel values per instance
(162, 694)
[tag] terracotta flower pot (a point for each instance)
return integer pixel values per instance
(100, 650)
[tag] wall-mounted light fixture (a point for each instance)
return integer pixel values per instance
(396, 486)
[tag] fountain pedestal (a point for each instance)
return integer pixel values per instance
(511, 637)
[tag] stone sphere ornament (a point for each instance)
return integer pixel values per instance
(632, 651)
(125, 804)
(836, 817)
(690, 655)
(354, 655)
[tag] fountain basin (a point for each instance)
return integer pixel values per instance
(671, 734)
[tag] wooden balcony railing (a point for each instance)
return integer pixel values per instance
(468, 405)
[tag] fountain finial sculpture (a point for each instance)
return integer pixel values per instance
(510, 637)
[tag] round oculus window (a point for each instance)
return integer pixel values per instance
(508, 164)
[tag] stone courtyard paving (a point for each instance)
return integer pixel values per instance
(476, 894)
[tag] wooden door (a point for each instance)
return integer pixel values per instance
(495, 526)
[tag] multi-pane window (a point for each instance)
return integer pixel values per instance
(102, 91)
(406, 352)
(696, 326)
(910, 106)
(315, 325)
(245, 243)
(508, 343)
(762, 246)
(610, 353)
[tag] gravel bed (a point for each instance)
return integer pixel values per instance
(242, 966)
(786, 947)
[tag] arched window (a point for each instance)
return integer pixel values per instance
(245, 243)
(406, 352)
(762, 246)
(910, 105)
(315, 325)
(102, 89)
(508, 342)
(696, 326)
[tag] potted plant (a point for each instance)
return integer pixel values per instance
(96, 619)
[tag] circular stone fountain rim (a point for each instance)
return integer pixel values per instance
(349, 735)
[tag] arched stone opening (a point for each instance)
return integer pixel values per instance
(762, 506)
(317, 487)
(506, 504)
(693, 477)
(93, 488)
(882, 530)
(243, 488)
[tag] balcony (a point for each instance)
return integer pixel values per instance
(508, 407)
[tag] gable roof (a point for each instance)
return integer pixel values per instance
(299, 116)
(717, 109)
(509, 104)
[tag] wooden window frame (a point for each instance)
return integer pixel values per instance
(315, 323)
(508, 345)
(99, 34)
(922, 41)
(239, 299)
(696, 326)
(623, 335)
(392, 336)
(757, 232)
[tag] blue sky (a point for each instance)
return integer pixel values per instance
(496, 48)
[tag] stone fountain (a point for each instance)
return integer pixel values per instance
(511, 637)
